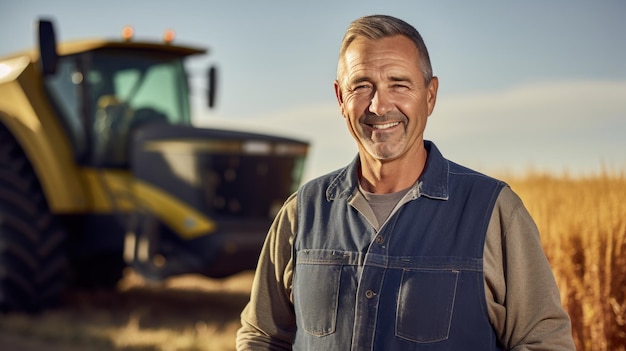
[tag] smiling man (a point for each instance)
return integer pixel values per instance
(401, 249)
(386, 101)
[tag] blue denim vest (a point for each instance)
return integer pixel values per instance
(417, 284)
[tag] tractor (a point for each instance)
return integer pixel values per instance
(101, 168)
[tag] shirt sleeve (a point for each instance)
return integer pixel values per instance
(522, 296)
(268, 320)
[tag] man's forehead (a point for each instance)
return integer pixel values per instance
(380, 51)
(363, 48)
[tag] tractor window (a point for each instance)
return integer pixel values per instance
(158, 91)
(149, 84)
(129, 89)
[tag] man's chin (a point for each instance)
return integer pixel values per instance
(384, 153)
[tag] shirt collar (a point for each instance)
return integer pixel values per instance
(432, 183)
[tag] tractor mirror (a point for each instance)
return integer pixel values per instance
(211, 86)
(47, 47)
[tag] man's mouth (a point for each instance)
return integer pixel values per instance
(384, 126)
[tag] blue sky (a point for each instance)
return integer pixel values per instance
(523, 85)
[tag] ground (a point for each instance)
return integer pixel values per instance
(183, 313)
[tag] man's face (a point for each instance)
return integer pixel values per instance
(383, 97)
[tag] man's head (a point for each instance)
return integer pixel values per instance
(382, 26)
(385, 89)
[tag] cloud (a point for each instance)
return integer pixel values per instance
(574, 126)
(541, 106)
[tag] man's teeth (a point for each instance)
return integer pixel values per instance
(385, 126)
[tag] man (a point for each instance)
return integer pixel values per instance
(402, 249)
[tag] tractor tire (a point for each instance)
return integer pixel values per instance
(33, 262)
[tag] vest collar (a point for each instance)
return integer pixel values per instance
(432, 183)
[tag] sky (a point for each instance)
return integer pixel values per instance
(524, 86)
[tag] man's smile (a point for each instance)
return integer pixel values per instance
(384, 126)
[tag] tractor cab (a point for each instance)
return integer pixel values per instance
(103, 94)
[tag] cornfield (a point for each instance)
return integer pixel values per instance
(582, 222)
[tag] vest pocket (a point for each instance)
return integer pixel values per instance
(316, 297)
(425, 304)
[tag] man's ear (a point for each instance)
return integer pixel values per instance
(339, 96)
(433, 87)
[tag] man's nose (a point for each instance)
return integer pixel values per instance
(381, 103)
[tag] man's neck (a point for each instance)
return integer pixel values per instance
(384, 177)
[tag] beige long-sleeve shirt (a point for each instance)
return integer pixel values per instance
(522, 297)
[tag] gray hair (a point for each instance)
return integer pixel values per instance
(376, 27)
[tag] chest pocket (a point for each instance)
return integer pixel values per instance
(317, 280)
(425, 305)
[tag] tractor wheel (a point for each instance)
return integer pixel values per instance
(32, 245)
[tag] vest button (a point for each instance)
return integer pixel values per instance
(369, 294)
(379, 239)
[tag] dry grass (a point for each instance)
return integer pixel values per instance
(582, 222)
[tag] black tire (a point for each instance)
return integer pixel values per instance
(33, 262)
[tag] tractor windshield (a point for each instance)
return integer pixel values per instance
(150, 84)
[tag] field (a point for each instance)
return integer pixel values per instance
(583, 226)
